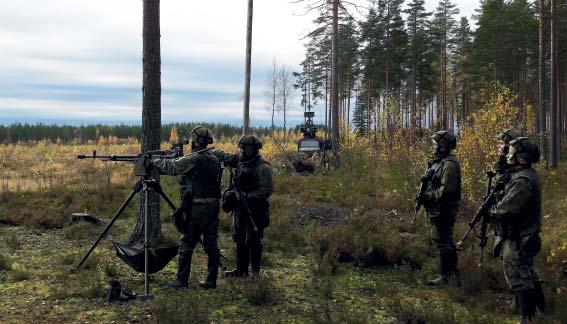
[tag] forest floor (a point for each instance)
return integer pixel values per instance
(320, 266)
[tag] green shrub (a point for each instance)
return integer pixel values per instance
(20, 275)
(181, 307)
(422, 311)
(5, 263)
(367, 242)
(11, 241)
(260, 291)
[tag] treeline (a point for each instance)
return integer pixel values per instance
(83, 134)
(403, 65)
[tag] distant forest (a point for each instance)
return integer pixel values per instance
(83, 134)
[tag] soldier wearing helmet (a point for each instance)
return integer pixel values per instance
(441, 201)
(198, 177)
(254, 175)
(517, 222)
(504, 139)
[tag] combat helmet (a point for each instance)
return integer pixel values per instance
(251, 140)
(508, 135)
(526, 149)
(201, 135)
(445, 139)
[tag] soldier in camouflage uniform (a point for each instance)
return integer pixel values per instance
(198, 176)
(501, 166)
(517, 223)
(254, 175)
(502, 175)
(441, 201)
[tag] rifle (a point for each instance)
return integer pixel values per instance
(482, 214)
(243, 203)
(425, 179)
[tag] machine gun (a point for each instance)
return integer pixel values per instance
(482, 214)
(419, 198)
(142, 167)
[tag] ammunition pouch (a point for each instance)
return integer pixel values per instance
(229, 201)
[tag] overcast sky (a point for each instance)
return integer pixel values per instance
(81, 60)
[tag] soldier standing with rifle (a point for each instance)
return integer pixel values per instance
(200, 189)
(441, 201)
(252, 185)
(517, 222)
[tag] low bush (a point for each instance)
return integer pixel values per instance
(180, 307)
(413, 311)
(12, 242)
(261, 291)
(20, 275)
(5, 263)
(367, 242)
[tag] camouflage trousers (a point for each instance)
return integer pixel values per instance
(518, 264)
(204, 221)
(442, 234)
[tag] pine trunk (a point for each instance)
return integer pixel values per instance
(151, 115)
(335, 83)
(554, 120)
(541, 115)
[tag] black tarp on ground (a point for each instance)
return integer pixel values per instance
(158, 257)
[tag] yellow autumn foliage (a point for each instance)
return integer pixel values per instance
(477, 141)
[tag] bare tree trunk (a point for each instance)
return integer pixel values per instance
(348, 103)
(246, 117)
(151, 115)
(327, 115)
(554, 156)
(541, 116)
(335, 83)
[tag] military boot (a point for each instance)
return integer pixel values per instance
(183, 270)
(453, 273)
(242, 261)
(211, 282)
(213, 270)
(442, 277)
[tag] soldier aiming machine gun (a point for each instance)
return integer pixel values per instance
(144, 169)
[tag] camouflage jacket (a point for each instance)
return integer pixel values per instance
(518, 213)
(199, 173)
(445, 185)
(254, 176)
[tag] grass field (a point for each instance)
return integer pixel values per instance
(340, 248)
